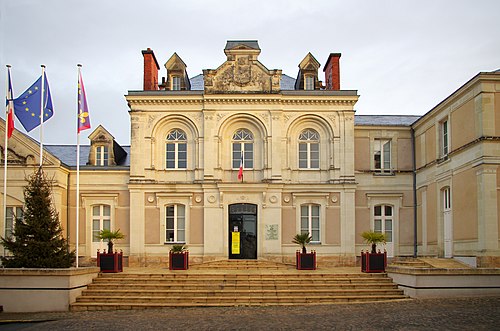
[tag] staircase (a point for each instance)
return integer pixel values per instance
(249, 283)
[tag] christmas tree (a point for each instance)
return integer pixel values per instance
(37, 240)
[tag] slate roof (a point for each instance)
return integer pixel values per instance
(387, 120)
(67, 155)
(249, 43)
(286, 83)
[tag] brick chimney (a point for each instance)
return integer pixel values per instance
(151, 68)
(332, 72)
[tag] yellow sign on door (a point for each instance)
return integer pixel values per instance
(235, 243)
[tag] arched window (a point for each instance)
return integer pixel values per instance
(383, 216)
(309, 221)
(175, 223)
(243, 147)
(309, 149)
(176, 150)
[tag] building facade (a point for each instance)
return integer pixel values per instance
(236, 161)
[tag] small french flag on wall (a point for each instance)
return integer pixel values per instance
(240, 172)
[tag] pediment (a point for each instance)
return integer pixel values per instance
(24, 150)
(309, 63)
(242, 73)
(100, 134)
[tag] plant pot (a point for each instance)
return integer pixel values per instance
(373, 262)
(306, 261)
(178, 261)
(110, 262)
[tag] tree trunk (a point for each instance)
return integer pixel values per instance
(374, 248)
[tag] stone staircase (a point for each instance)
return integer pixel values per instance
(248, 284)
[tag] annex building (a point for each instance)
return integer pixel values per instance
(309, 164)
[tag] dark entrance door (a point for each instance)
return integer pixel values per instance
(243, 231)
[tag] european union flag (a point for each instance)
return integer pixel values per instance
(27, 105)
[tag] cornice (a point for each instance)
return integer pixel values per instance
(240, 100)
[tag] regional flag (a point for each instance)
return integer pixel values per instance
(27, 105)
(83, 110)
(10, 105)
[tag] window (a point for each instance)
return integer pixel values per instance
(383, 221)
(445, 138)
(243, 145)
(309, 221)
(101, 220)
(309, 149)
(309, 83)
(176, 83)
(11, 213)
(447, 199)
(382, 155)
(101, 156)
(176, 150)
(175, 223)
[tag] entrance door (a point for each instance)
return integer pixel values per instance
(101, 219)
(447, 223)
(243, 231)
(383, 222)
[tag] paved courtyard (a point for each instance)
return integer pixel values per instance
(424, 314)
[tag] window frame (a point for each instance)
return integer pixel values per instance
(243, 144)
(176, 83)
(102, 155)
(176, 143)
(10, 219)
(444, 137)
(313, 231)
(101, 218)
(308, 82)
(383, 218)
(308, 143)
(379, 147)
(176, 228)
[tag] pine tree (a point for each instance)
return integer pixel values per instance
(37, 240)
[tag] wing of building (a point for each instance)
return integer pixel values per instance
(247, 150)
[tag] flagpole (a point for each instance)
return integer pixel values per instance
(77, 166)
(5, 147)
(41, 114)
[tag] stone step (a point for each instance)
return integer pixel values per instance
(256, 286)
(188, 294)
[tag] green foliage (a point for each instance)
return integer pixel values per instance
(372, 237)
(37, 240)
(178, 248)
(110, 235)
(302, 239)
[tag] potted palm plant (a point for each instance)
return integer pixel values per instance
(373, 261)
(178, 258)
(304, 260)
(110, 261)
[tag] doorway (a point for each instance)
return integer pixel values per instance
(242, 231)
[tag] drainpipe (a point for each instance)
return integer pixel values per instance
(415, 243)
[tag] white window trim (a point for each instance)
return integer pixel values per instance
(165, 200)
(320, 199)
(174, 86)
(99, 155)
(88, 201)
(380, 142)
(306, 79)
(392, 199)
(441, 140)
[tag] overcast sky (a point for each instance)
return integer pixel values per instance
(403, 57)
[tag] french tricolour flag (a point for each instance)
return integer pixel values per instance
(240, 172)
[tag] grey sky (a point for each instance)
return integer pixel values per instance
(403, 57)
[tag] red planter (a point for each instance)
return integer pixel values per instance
(373, 262)
(110, 262)
(306, 261)
(178, 261)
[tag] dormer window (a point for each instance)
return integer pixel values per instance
(176, 83)
(309, 83)
(101, 156)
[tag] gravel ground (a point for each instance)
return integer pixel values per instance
(474, 313)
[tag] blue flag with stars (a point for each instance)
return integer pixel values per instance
(27, 105)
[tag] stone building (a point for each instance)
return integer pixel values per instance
(308, 164)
